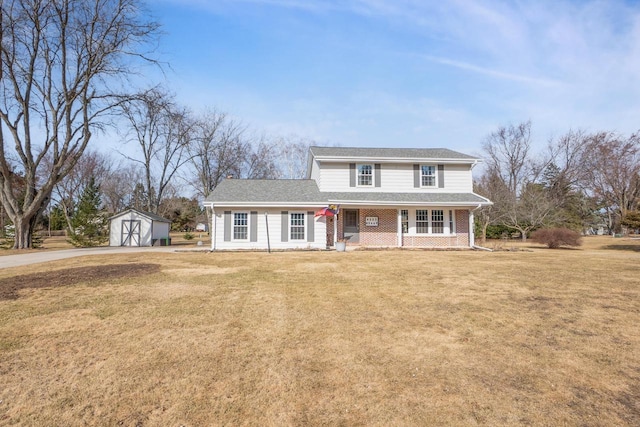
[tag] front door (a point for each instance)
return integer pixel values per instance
(351, 225)
(131, 232)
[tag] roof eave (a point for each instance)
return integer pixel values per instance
(342, 159)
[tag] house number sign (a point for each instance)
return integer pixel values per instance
(371, 221)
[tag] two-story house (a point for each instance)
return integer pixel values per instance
(382, 197)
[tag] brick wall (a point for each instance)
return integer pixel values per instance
(385, 234)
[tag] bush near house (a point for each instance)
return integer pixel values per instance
(556, 237)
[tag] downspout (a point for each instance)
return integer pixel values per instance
(213, 229)
(472, 238)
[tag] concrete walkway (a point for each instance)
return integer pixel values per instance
(46, 256)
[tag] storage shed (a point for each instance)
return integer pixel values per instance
(136, 228)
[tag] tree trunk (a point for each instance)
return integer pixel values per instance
(23, 231)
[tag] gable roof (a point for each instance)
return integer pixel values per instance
(149, 215)
(387, 153)
(276, 192)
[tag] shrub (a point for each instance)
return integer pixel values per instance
(188, 236)
(556, 237)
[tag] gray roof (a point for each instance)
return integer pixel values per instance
(301, 191)
(149, 215)
(267, 191)
(392, 153)
(403, 198)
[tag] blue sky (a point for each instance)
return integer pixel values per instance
(406, 73)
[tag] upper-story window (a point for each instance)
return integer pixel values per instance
(365, 175)
(428, 175)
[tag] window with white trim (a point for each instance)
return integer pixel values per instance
(240, 225)
(422, 221)
(365, 175)
(437, 221)
(296, 225)
(428, 175)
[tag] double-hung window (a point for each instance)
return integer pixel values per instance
(365, 175)
(437, 221)
(422, 221)
(240, 226)
(428, 175)
(296, 226)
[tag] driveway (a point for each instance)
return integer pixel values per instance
(37, 257)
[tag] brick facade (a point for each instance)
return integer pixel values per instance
(386, 235)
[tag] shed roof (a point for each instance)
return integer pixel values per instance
(149, 215)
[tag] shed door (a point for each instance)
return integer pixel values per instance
(131, 232)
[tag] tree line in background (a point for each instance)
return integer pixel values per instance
(68, 71)
(588, 182)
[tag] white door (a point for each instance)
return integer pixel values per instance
(131, 232)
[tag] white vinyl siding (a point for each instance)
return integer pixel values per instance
(274, 218)
(395, 177)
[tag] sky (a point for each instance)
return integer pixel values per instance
(406, 73)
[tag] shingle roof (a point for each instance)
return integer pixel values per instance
(392, 153)
(149, 215)
(301, 191)
(403, 198)
(267, 191)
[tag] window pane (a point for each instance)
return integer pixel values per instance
(437, 221)
(365, 176)
(428, 176)
(422, 221)
(297, 226)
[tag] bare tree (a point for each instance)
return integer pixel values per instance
(60, 62)
(163, 132)
(261, 160)
(294, 154)
(612, 169)
(217, 150)
(508, 155)
(67, 192)
(118, 186)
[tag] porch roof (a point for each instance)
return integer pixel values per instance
(371, 198)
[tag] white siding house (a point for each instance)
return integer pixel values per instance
(383, 197)
(136, 228)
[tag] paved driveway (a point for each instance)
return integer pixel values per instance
(37, 257)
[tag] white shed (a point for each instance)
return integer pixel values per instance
(136, 228)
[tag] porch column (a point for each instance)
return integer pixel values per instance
(471, 229)
(399, 228)
(335, 228)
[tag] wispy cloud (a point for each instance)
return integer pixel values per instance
(492, 72)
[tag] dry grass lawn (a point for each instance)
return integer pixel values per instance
(382, 338)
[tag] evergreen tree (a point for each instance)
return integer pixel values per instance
(89, 223)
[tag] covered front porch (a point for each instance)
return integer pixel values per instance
(411, 226)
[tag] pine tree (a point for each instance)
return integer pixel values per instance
(89, 223)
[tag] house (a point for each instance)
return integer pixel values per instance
(381, 197)
(137, 228)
